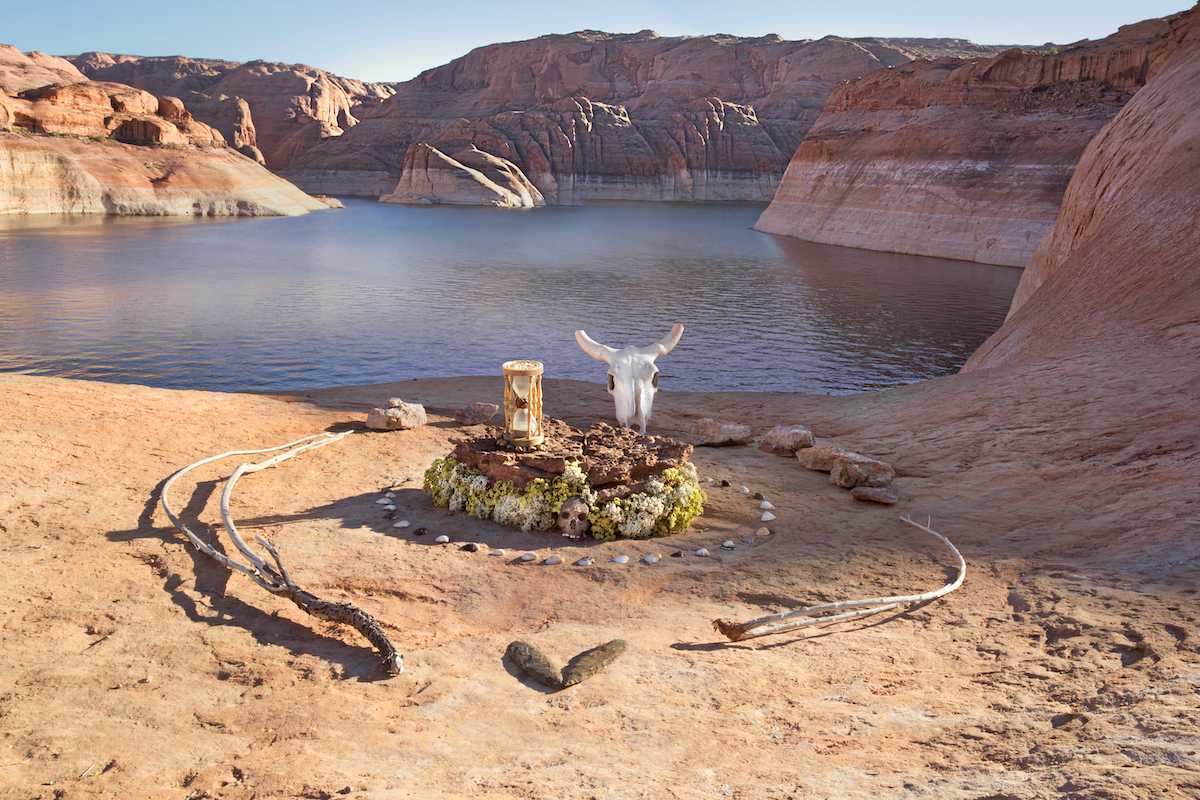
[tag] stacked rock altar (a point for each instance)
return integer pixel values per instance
(605, 482)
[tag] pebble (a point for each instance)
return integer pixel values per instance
(621, 559)
(759, 496)
(767, 516)
(586, 561)
(443, 539)
(677, 554)
(389, 507)
(402, 524)
(497, 552)
(552, 561)
(745, 490)
(726, 483)
(470, 547)
(389, 494)
(702, 552)
(767, 505)
(383, 501)
(764, 531)
(728, 544)
(650, 558)
(420, 532)
(527, 556)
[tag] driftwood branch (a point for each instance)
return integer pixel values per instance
(274, 577)
(841, 610)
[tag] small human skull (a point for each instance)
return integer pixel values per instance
(573, 518)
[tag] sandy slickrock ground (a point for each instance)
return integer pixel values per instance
(136, 668)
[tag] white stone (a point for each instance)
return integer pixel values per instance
(586, 561)
(728, 544)
(650, 558)
(745, 490)
(552, 561)
(763, 532)
(389, 494)
(767, 516)
(443, 539)
(767, 505)
(389, 507)
(383, 501)
(527, 556)
(398, 416)
(621, 559)
(497, 552)
(402, 524)
(702, 552)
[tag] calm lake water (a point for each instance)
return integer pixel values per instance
(382, 292)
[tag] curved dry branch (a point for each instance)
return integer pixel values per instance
(820, 614)
(275, 577)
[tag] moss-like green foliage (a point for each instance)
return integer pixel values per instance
(669, 505)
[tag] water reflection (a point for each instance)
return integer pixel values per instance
(378, 292)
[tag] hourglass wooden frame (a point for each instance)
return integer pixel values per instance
(523, 393)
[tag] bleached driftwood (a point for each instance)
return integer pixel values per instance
(827, 613)
(274, 577)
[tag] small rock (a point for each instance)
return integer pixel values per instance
(725, 483)
(398, 416)
(650, 558)
(420, 532)
(476, 413)
(586, 561)
(728, 544)
(702, 552)
(497, 552)
(621, 559)
(389, 507)
(677, 554)
(854, 469)
(875, 494)
(402, 524)
(820, 458)
(767, 516)
(709, 432)
(767, 505)
(745, 490)
(389, 494)
(443, 539)
(764, 531)
(527, 556)
(784, 440)
(552, 561)
(383, 501)
(758, 496)
(469, 547)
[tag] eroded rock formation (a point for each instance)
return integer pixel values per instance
(71, 145)
(593, 115)
(272, 112)
(958, 160)
(470, 177)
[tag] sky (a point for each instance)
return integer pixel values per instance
(392, 40)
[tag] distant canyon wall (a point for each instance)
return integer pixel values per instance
(599, 116)
(958, 160)
(69, 145)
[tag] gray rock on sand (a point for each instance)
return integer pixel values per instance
(728, 544)
(854, 469)
(784, 440)
(552, 561)
(650, 558)
(476, 413)
(708, 432)
(586, 561)
(527, 556)
(621, 559)
(820, 457)
(398, 416)
(702, 552)
(875, 494)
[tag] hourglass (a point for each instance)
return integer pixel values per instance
(523, 403)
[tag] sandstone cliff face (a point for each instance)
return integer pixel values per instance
(1120, 270)
(471, 177)
(271, 112)
(593, 115)
(85, 146)
(20, 71)
(958, 160)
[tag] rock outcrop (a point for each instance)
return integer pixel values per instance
(83, 146)
(471, 177)
(272, 112)
(593, 115)
(958, 160)
(1118, 275)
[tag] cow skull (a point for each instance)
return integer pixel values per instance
(632, 375)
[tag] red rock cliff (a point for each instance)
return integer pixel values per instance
(617, 116)
(959, 160)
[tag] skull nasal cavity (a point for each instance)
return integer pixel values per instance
(612, 382)
(654, 381)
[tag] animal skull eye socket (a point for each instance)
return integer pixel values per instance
(612, 382)
(654, 381)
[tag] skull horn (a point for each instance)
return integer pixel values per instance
(665, 344)
(600, 352)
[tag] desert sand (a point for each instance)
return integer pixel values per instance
(137, 668)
